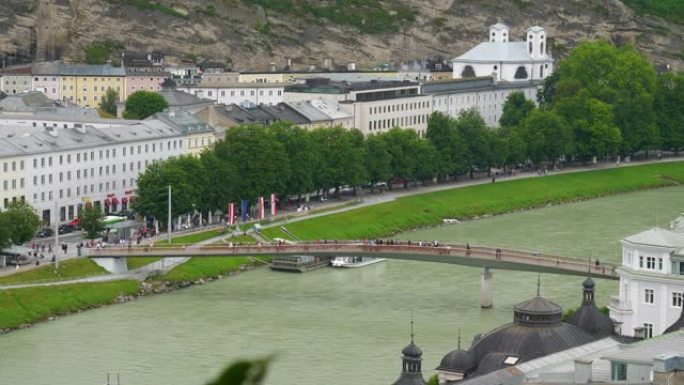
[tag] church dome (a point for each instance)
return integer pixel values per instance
(457, 361)
(588, 317)
(537, 312)
(412, 350)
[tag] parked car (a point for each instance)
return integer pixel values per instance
(45, 232)
(75, 223)
(65, 228)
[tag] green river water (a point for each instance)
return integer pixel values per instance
(334, 327)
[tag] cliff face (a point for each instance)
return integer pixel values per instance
(250, 36)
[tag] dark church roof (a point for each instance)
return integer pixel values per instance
(679, 324)
(411, 373)
(412, 350)
(588, 317)
(457, 360)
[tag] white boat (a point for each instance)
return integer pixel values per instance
(354, 261)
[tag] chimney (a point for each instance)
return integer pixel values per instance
(639, 333)
(327, 63)
(351, 66)
(582, 371)
(288, 62)
(272, 67)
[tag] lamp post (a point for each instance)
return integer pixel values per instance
(56, 235)
(169, 218)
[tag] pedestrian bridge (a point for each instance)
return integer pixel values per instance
(476, 256)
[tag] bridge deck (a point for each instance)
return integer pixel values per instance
(498, 258)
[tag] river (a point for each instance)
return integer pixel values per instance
(336, 327)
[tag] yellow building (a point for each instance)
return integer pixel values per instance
(199, 136)
(86, 85)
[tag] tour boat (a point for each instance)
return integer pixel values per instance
(354, 261)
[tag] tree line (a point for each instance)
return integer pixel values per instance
(601, 101)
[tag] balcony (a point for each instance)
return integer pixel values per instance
(620, 305)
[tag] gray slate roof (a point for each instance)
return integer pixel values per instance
(177, 98)
(644, 351)
(657, 237)
(515, 51)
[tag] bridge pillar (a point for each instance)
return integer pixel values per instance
(113, 265)
(487, 293)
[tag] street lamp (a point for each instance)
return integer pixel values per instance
(169, 218)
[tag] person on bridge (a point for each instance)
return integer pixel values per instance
(498, 254)
(467, 249)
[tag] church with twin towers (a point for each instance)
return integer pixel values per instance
(506, 60)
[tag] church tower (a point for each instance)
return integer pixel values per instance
(411, 373)
(536, 42)
(499, 33)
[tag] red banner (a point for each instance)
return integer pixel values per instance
(231, 213)
(274, 206)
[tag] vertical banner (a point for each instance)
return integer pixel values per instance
(274, 207)
(244, 207)
(262, 214)
(231, 213)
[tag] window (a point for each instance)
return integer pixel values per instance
(618, 371)
(649, 296)
(648, 330)
(641, 261)
(676, 299)
(650, 263)
(660, 264)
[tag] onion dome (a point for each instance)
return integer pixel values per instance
(588, 317)
(412, 350)
(457, 361)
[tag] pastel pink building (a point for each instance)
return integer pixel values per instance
(144, 79)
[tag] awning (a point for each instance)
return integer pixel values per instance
(115, 201)
(107, 202)
(124, 200)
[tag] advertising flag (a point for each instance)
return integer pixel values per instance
(244, 206)
(231, 213)
(274, 207)
(261, 208)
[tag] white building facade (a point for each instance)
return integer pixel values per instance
(651, 283)
(484, 95)
(507, 60)
(70, 164)
(242, 94)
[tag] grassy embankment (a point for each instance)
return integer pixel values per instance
(29, 305)
(468, 202)
(70, 269)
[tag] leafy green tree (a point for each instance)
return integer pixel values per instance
(244, 372)
(515, 109)
(619, 77)
(5, 231)
(303, 156)
(97, 53)
(90, 221)
(260, 160)
(108, 103)
(401, 145)
(342, 156)
(433, 380)
(142, 104)
(547, 136)
(474, 131)
(450, 145)
(219, 188)
(426, 160)
(187, 179)
(378, 160)
(24, 222)
(670, 114)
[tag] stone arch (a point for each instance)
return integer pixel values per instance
(521, 73)
(468, 72)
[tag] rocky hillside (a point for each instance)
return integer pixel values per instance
(253, 33)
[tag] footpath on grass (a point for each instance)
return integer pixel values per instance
(20, 307)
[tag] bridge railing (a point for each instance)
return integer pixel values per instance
(427, 248)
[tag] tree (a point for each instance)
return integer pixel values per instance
(515, 109)
(426, 160)
(668, 106)
(303, 156)
(244, 372)
(142, 104)
(108, 103)
(619, 77)
(341, 155)
(378, 160)
(24, 222)
(90, 221)
(401, 145)
(97, 53)
(474, 131)
(220, 176)
(260, 161)
(546, 136)
(5, 231)
(450, 145)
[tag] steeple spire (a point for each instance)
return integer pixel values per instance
(459, 338)
(539, 285)
(411, 326)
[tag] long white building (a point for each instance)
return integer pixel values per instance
(651, 283)
(242, 94)
(57, 166)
